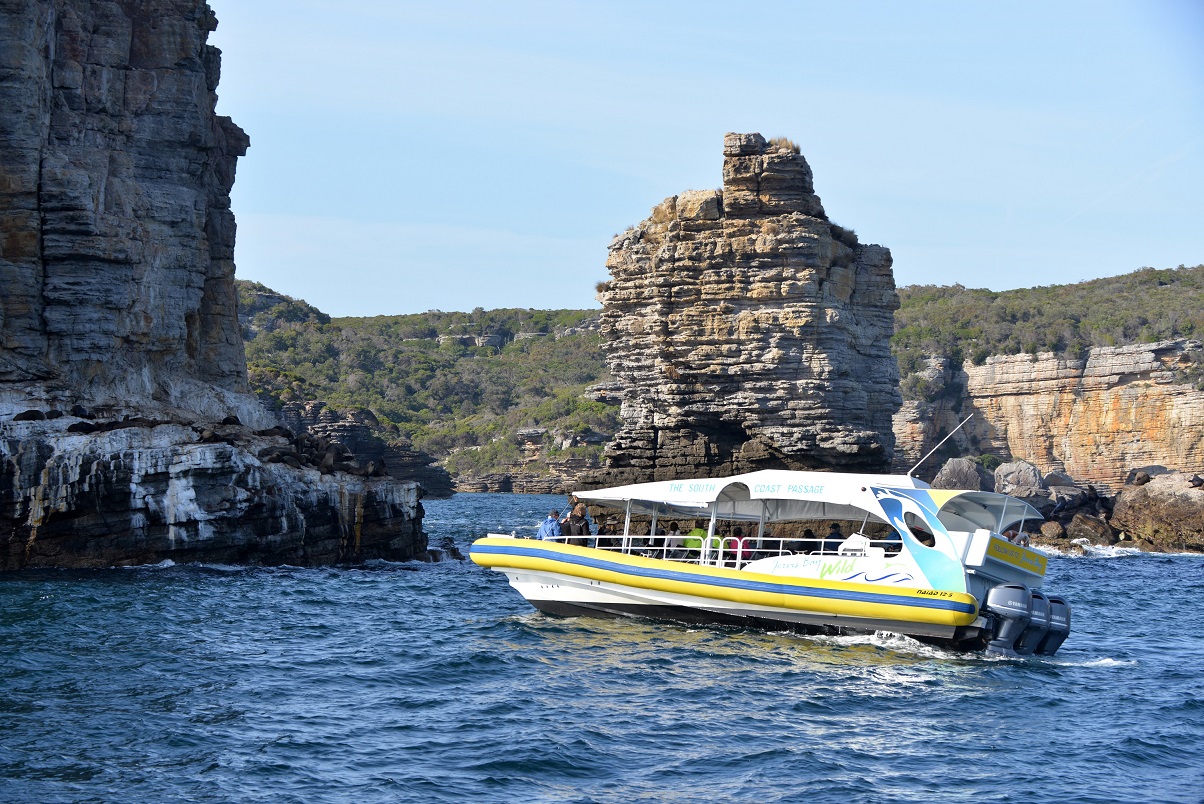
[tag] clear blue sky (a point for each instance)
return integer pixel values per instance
(408, 156)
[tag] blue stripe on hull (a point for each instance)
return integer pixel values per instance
(731, 583)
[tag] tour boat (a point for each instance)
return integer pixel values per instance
(946, 567)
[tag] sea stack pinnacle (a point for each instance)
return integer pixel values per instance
(748, 331)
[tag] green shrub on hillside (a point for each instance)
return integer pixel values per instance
(427, 376)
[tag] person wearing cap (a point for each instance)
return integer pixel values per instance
(550, 527)
(608, 527)
(834, 538)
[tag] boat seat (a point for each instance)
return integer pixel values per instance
(858, 544)
(855, 543)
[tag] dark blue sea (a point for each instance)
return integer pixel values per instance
(423, 683)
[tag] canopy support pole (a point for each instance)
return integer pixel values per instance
(706, 548)
(627, 529)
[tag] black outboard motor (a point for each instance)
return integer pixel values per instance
(1038, 626)
(1012, 606)
(1059, 626)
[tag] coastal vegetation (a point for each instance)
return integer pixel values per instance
(963, 323)
(458, 385)
(786, 144)
(461, 385)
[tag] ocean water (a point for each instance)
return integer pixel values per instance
(399, 683)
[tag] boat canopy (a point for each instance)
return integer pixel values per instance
(778, 494)
(782, 495)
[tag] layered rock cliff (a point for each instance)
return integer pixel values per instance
(120, 348)
(1094, 419)
(748, 331)
(118, 240)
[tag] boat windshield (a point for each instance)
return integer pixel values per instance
(971, 510)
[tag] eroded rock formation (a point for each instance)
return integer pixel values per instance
(370, 455)
(1094, 418)
(748, 331)
(120, 349)
(155, 492)
(1167, 513)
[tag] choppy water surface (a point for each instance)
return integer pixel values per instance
(439, 683)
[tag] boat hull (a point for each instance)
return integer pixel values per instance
(572, 581)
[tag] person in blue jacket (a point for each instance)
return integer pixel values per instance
(550, 527)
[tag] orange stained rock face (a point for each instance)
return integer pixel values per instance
(1096, 420)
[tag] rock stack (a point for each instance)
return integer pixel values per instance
(748, 331)
(1156, 510)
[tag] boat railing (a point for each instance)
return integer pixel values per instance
(731, 551)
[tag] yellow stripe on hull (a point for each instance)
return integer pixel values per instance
(717, 583)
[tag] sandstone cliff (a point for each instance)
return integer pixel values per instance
(1094, 419)
(748, 331)
(120, 347)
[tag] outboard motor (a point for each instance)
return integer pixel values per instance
(1059, 626)
(1038, 625)
(1012, 606)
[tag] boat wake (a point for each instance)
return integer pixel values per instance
(1106, 661)
(1088, 550)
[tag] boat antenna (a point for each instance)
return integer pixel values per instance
(938, 446)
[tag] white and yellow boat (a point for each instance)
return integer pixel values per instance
(930, 563)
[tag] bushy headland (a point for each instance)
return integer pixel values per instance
(459, 385)
(475, 388)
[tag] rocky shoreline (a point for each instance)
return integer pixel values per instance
(1156, 511)
(149, 492)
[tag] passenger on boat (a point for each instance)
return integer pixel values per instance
(577, 524)
(893, 542)
(565, 521)
(1017, 537)
(692, 542)
(807, 543)
(675, 543)
(736, 544)
(923, 537)
(607, 529)
(550, 527)
(831, 542)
